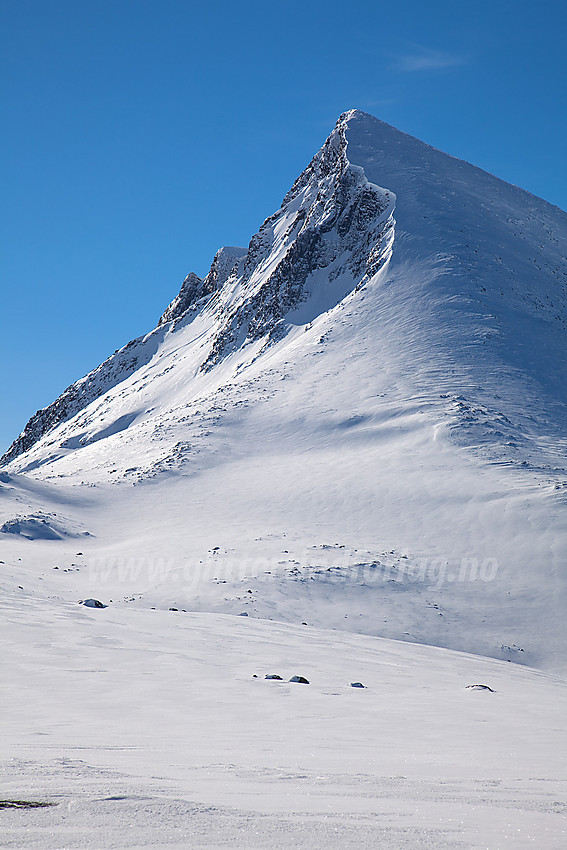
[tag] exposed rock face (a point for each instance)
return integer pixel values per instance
(195, 291)
(190, 293)
(332, 220)
(332, 233)
(226, 262)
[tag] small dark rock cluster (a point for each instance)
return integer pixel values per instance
(301, 680)
(298, 679)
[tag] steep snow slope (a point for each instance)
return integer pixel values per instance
(364, 413)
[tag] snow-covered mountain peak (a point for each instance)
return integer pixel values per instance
(459, 267)
(333, 232)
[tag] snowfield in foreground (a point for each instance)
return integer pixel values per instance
(147, 729)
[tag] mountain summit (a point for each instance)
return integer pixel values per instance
(380, 372)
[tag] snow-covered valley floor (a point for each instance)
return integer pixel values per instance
(148, 729)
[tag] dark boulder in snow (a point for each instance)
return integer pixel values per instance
(357, 685)
(479, 688)
(300, 679)
(273, 676)
(93, 603)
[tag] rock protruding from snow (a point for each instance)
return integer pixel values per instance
(226, 262)
(195, 291)
(189, 294)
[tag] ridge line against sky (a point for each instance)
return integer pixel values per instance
(144, 135)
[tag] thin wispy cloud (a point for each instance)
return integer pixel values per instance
(419, 58)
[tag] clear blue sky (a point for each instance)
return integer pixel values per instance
(140, 135)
